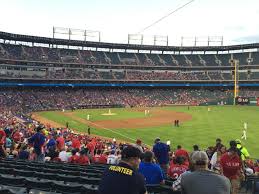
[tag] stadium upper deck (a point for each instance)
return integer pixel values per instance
(37, 58)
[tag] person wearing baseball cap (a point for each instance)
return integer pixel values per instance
(202, 180)
(232, 166)
(124, 177)
(243, 151)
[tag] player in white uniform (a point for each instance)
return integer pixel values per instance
(244, 131)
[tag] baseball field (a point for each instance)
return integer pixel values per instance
(197, 124)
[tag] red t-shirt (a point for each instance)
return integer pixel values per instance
(102, 159)
(2, 137)
(231, 165)
(182, 152)
(76, 143)
(83, 160)
(73, 159)
(91, 146)
(60, 143)
(175, 170)
(17, 136)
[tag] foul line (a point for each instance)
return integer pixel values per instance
(111, 130)
(114, 131)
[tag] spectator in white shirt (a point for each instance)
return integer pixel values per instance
(112, 158)
(63, 155)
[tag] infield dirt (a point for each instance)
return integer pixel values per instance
(158, 117)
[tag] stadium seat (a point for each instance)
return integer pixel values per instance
(4, 170)
(41, 184)
(161, 189)
(255, 187)
(67, 188)
(89, 189)
(72, 173)
(88, 180)
(35, 191)
(12, 190)
(67, 178)
(11, 180)
(25, 173)
(43, 175)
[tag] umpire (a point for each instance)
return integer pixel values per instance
(124, 177)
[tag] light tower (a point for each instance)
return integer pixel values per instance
(235, 63)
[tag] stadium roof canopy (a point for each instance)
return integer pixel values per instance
(66, 42)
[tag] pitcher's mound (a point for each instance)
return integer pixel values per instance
(109, 113)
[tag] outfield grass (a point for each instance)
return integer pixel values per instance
(223, 122)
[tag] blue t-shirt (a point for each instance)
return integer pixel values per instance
(161, 152)
(51, 143)
(152, 173)
(38, 140)
(24, 155)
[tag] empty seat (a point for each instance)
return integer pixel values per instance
(73, 173)
(12, 180)
(12, 190)
(67, 188)
(95, 175)
(67, 178)
(41, 184)
(25, 173)
(89, 189)
(4, 170)
(35, 191)
(43, 175)
(89, 180)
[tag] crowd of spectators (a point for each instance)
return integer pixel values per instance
(99, 74)
(29, 100)
(79, 56)
(223, 163)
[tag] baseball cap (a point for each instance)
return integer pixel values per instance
(130, 152)
(199, 158)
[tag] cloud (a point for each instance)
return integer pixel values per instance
(235, 28)
(247, 39)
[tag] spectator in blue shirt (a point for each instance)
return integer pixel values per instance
(24, 154)
(38, 141)
(161, 151)
(152, 172)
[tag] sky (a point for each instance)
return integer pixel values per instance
(236, 20)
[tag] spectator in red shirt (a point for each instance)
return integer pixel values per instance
(90, 147)
(100, 158)
(60, 143)
(76, 143)
(2, 137)
(177, 167)
(83, 159)
(231, 167)
(182, 152)
(17, 136)
(74, 158)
